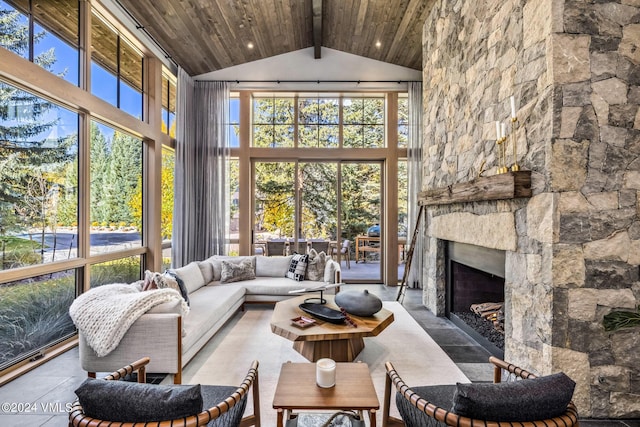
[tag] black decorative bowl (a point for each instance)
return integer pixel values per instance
(322, 312)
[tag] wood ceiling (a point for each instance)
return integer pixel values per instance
(207, 35)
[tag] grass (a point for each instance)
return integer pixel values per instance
(18, 252)
(125, 270)
(33, 315)
(18, 244)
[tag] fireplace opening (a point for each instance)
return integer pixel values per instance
(475, 293)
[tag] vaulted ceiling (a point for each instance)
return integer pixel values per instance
(208, 35)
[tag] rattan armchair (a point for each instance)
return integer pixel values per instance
(422, 412)
(214, 414)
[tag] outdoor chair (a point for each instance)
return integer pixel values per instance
(345, 252)
(320, 246)
(131, 404)
(525, 400)
(277, 247)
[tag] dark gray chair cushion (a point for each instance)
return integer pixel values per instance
(214, 394)
(125, 401)
(439, 395)
(524, 400)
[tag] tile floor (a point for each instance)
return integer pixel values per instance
(40, 397)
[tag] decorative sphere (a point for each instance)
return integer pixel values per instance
(358, 303)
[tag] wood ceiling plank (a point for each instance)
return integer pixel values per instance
(413, 15)
(207, 35)
(361, 20)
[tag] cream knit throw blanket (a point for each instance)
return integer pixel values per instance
(104, 314)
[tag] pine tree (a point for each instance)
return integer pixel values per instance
(99, 165)
(123, 177)
(31, 156)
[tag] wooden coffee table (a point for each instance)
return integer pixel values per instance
(297, 390)
(340, 342)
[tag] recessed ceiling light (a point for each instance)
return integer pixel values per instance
(378, 44)
(250, 45)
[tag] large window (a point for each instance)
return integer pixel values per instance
(53, 43)
(116, 190)
(116, 67)
(350, 121)
(319, 120)
(364, 122)
(169, 104)
(73, 187)
(273, 122)
(38, 180)
(334, 193)
(34, 313)
(167, 185)
(233, 130)
(403, 121)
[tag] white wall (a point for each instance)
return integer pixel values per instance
(300, 65)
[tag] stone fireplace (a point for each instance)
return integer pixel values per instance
(572, 249)
(474, 276)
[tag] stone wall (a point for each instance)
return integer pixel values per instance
(573, 249)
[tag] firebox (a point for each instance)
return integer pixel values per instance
(475, 293)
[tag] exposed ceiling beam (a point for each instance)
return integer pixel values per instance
(317, 27)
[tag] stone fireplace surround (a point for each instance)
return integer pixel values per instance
(573, 248)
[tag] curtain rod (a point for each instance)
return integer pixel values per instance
(321, 81)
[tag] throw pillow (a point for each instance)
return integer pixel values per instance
(216, 262)
(123, 401)
(330, 269)
(206, 268)
(315, 265)
(524, 400)
(232, 272)
(191, 276)
(159, 281)
(181, 285)
(148, 283)
(297, 267)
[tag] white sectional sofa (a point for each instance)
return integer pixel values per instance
(171, 341)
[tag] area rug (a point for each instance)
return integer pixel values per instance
(226, 358)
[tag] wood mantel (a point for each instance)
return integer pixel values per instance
(509, 185)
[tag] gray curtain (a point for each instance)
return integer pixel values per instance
(415, 170)
(200, 209)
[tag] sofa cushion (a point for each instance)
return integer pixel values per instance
(315, 266)
(273, 286)
(297, 267)
(524, 400)
(209, 304)
(232, 272)
(216, 261)
(124, 401)
(272, 266)
(191, 276)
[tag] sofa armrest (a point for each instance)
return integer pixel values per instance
(158, 336)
